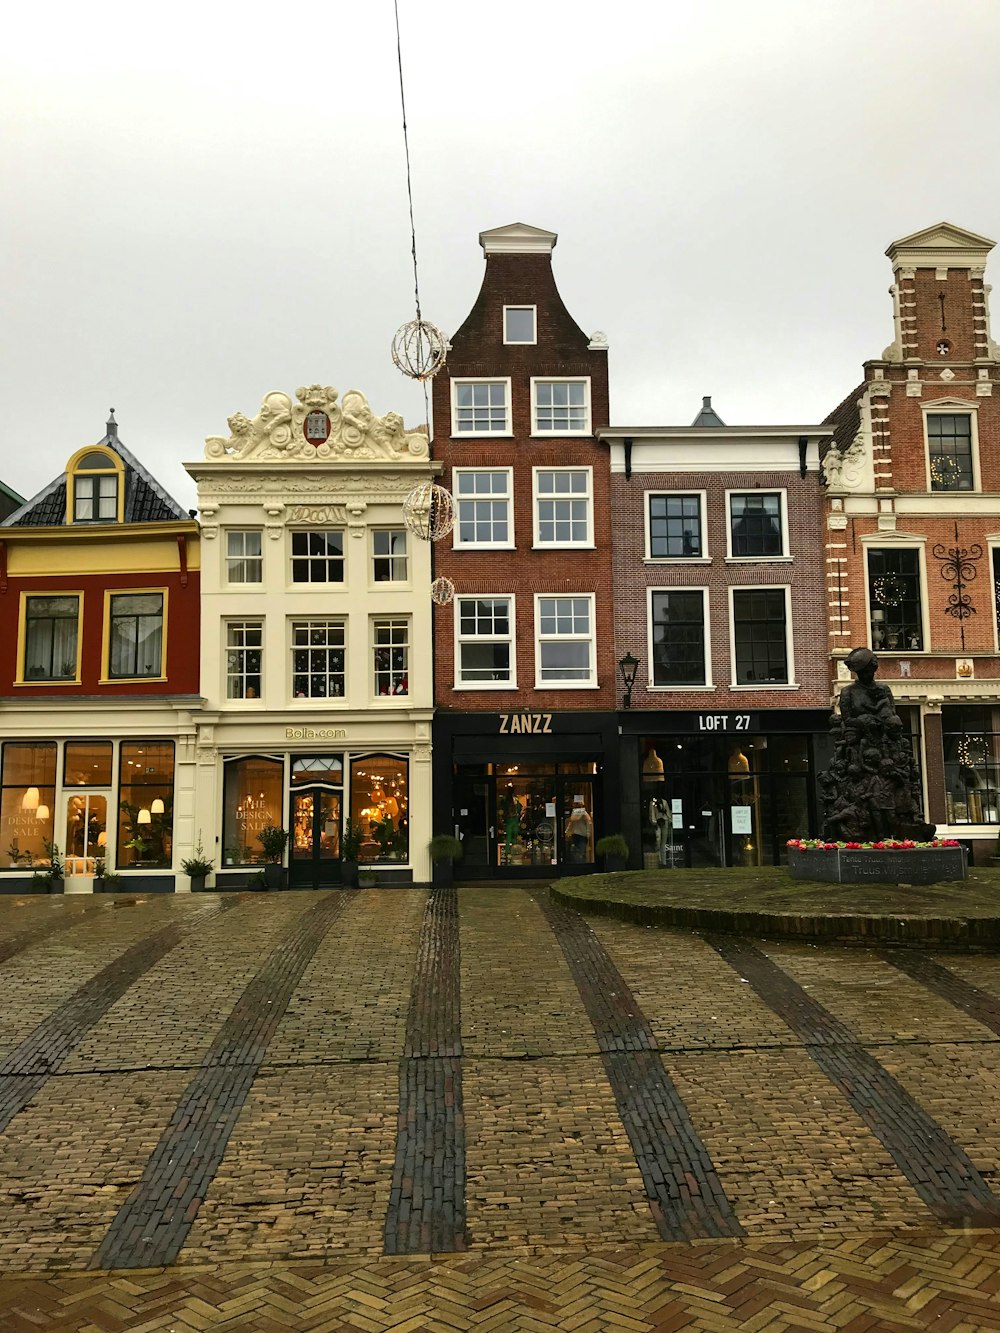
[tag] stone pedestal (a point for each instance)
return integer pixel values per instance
(868, 865)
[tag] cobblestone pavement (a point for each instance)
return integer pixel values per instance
(406, 1110)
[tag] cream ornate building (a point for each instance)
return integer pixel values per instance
(316, 653)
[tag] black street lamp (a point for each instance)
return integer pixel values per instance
(628, 666)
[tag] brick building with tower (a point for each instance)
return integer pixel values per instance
(525, 729)
(912, 543)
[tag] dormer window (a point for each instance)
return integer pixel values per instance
(94, 488)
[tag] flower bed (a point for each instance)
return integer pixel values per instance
(892, 861)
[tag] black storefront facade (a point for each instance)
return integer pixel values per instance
(527, 793)
(720, 788)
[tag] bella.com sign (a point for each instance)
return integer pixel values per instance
(315, 734)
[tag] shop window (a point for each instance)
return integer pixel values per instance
(971, 763)
(27, 803)
(560, 407)
(391, 656)
(380, 792)
(760, 636)
(894, 599)
(480, 407)
(678, 628)
(94, 488)
(485, 655)
(675, 527)
(483, 504)
(244, 655)
(949, 451)
(51, 637)
(519, 324)
(135, 635)
(145, 804)
(318, 557)
(87, 764)
(755, 525)
(565, 650)
(318, 655)
(244, 557)
(563, 507)
(251, 800)
(389, 555)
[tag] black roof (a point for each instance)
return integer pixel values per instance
(145, 499)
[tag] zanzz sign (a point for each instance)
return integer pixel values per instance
(523, 724)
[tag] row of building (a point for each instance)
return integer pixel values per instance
(647, 629)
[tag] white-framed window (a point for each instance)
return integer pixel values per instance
(564, 647)
(560, 407)
(390, 557)
(391, 655)
(480, 407)
(483, 502)
(244, 556)
(244, 658)
(519, 324)
(760, 622)
(564, 506)
(678, 657)
(318, 556)
(896, 616)
(485, 655)
(675, 527)
(319, 650)
(758, 525)
(952, 440)
(95, 498)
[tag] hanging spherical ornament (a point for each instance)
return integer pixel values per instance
(429, 511)
(419, 349)
(442, 591)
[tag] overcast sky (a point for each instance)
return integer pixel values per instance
(203, 202)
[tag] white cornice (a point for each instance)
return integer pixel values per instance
(711, 434)
(941, 246)
(518, 238)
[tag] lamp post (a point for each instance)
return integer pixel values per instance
(628, 666)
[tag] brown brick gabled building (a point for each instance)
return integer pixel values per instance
(913, 524)
(525, 730)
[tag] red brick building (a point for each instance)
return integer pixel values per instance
(525, 734)
(718, 593)
(99, 615)
(913, 524)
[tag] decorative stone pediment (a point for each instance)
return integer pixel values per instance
(317, 427)
(941, 245)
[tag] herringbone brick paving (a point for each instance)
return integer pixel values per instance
(845, 1102)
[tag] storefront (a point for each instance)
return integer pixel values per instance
(321, 784)
(720, 789)
(525, 792)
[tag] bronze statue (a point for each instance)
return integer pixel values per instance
(871, 790)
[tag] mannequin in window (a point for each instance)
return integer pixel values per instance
(579, 827)
(511, 809)
(652, 766)
(659, 817)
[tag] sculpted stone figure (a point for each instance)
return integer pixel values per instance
(871, 790)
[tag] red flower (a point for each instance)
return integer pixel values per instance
(854, 845)
(879, 846)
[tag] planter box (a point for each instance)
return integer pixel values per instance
(868, 865)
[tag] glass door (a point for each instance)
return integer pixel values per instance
(315, 852)
(86, 840)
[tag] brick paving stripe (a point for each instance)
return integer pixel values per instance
(35, 934)
(978, 1004)
(152, 1225)
(426, 1210)
(682, 1186)
(936, 1167)
(33, 1062)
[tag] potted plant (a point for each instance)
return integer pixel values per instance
(198, 867)
(445, 850)
(49, 878)
(350, 853)
(614, 849)
(273, 840)
(113, 882)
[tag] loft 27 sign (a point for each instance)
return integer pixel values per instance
(724, 722)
